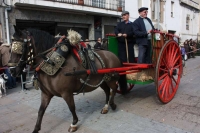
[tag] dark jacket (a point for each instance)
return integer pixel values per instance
(140, 30)
(124, 28)
(97, 45)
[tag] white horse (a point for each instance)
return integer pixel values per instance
(3, 79)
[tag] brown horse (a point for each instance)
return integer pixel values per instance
(59, 84)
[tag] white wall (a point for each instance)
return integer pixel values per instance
(172, 23)
(178, 22)
(193, 24)
(132, 6)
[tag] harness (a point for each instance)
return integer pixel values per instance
(55, 57)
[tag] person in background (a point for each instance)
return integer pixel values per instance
(124, 33)
(142, 30)
(105, 44)
(4, 57)
(87, 43)
(98, 44)
(175, 38)
(192, 48)
(182, 48)
(187, 48)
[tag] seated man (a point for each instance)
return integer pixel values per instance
(5, 56)
(98, 44)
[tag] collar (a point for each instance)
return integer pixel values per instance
(142, 17)
(128, 22)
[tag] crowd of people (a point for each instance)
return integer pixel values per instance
(188, 49)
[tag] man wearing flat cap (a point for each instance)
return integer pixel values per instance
(142, 29)
(124, 33)
(124, 30)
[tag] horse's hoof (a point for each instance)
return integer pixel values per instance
(72, 128)
(113, 106)
(104, 111)
(35, 132)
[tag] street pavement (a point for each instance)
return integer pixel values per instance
(137, 112)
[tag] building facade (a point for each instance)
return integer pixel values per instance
(91, 18)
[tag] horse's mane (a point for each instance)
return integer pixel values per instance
(43, 40)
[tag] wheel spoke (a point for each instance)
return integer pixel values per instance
(173, 57)
(165, 64)
(175, 61)
(163, 70)
(161, 85)
(163, 76)
(164, 88)
(170, 52)
(172, 85)
(177, 66)
(167, 89)
(174, 80)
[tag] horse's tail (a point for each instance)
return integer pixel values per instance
(123, 84)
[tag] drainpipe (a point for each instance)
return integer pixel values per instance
(7, 25)
(7, 8)
(158, 7)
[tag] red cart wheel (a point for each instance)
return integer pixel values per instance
(168, 71)
(129, 87)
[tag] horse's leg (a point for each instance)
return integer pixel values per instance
(0, 91)
(106, 89)
(4, 88)
(114, 87)
(69, 98)
(45, 99)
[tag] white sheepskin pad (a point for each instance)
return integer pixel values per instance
(73, 37)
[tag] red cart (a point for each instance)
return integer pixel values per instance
(166, 68)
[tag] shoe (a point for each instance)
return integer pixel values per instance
(9, 87)
(14, 86)
(124, 92)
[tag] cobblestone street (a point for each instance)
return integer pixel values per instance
(137, 112)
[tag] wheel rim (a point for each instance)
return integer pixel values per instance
(168, 71)
(129, 87)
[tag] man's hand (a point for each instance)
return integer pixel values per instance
(125, 35)
(149, 31)
(120, 34)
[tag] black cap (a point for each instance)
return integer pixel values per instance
(142, 9)
(125, 12)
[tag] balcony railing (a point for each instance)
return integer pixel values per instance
(116, 5)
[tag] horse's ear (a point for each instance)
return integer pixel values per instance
(17, 30)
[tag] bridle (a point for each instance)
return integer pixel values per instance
(26, 48)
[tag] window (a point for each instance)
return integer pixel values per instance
(154, 10)
(157, 11)
(187, 21)
(172, 9)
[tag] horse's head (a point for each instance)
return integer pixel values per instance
(19, 52)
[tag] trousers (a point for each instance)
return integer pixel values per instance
(122, 52)
(145, 53)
